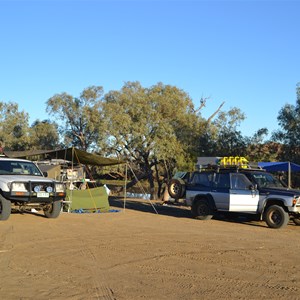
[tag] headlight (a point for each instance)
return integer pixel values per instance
(296, 200)
(59, 188)
(18, 187)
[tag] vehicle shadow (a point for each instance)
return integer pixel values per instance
(148, 206)
(244, 220)
(247, 220)
(28, 212)
(180, 211)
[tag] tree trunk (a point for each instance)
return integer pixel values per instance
(136, 179)
(153, 195)
(159, 182)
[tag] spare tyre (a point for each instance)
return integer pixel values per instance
(176, 188)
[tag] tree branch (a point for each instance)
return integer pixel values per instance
(214, 114)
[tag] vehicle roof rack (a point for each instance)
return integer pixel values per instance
(226, 163)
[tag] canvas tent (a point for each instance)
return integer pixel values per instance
(95, 198)
(287, 166)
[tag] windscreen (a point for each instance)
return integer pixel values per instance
(266, 180)
(10, 167)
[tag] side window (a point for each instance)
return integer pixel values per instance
(201, 179)
(239, 181)
(222, 180)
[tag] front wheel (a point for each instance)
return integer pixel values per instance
(5, 208)
(201, 210)
(276, 217)
(53, 210)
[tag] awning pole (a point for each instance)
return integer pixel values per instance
(125, 192)
(289, 175)
(71, 181)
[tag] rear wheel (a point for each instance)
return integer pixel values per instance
(276, 217)
(53, 210)
(5, 208)
(201, 210)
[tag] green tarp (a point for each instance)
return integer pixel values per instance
(93, 199)
(71, 154)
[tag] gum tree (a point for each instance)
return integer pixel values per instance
(13, 127)
(44, 135)
(150, 126)
(288, 119)
(79, 119)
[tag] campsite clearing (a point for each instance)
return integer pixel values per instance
(138, 254)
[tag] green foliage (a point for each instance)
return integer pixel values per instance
(144, 123)
(150, 126)
(288, 119)
(260, 150)
(13, 127)
(80, 118)
(221, 136)
(44, 135)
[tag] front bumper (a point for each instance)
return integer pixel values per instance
(295, 209)
(33, 197)
(35, 192)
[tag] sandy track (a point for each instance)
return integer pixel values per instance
(137, 254)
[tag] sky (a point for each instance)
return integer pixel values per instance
(245, 53)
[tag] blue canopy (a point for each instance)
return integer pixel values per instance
(279, 166)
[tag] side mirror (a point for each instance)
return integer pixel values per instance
(253, 187)
(45, 174)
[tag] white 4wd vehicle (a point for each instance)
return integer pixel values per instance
(23, 187)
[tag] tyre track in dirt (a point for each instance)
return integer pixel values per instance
(152, 266)
(144, 256)
(93, 288)
(215, 258)
(225, 283)
(6, 246)
(5, 238)
(100, 290)
(247, 257)
(195, 256)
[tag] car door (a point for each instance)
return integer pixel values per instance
(243, 196)
(220, 191)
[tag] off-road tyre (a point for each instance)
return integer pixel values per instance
(53, 210)
(201, 210)
(5, 208)
(176, 188)
(276, 217)
(297, 221)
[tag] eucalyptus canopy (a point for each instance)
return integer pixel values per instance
(80, 119)
(13, 127)
(288, 119)
(150, 125)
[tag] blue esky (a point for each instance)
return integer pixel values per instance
(245, 53)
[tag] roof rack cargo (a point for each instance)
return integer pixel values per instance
(225, 163)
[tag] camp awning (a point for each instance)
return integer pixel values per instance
(286, 166)
(279, 166)
(70, 154)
